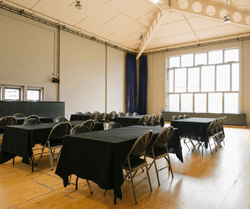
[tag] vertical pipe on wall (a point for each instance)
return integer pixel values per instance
(58, 60)
(106, 73)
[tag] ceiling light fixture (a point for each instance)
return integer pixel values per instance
(227, 17)
(141, 36)
(78, 5)
(155, 1)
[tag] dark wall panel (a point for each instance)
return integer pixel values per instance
(56, 109)
(40, 108)
(4, 108)
(20, 107)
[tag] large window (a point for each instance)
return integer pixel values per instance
(204, 82)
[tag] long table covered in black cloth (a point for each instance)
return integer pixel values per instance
(98, 156)
(18, 140)
(20, 120)
(131, 120)
(82, 117)
(194, 126)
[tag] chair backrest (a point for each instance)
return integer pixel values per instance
(60, 130)
(102, 117)
(163, 137)
(79, 129)
(120, 114)
(19, 115)
(181, 117)
(78, 113)
(175, 117)
(94, 116)
(140, 145)
(87, 113)
(114, 125)
(89, 123)
(150, 120)
(32, 121)
(61, 119)
(128, 114)
(211, 128)
(112, 115)
(143, 120)
(135, 114)
(158, 117)
(97, 112)
(7, 120)
(32, 116)
(185, 116)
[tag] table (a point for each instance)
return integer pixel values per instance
(98, 156)
(18, 140)
(82, 117)
(194, 126)
(20, 120)
(131, 120)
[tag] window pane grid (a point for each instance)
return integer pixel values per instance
(212, 81)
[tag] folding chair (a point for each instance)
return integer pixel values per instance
(159, 149)
(133, 162)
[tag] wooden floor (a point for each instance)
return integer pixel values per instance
(220, 180)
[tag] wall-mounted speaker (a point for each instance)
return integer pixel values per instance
(55, 80)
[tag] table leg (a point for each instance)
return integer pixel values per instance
(114, 199)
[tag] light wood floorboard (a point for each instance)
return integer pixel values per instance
(220, 180)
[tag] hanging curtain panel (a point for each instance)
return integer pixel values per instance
(131, 84)
(143, 85)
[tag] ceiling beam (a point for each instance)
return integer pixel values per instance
(191, 28)
(152, 30)
(210, 10)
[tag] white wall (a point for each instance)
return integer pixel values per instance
(156, 83)
(82, 74)
(92, 76)
(27, 54)
(116, 75)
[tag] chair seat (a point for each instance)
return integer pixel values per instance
(136, 164)
(159, 153)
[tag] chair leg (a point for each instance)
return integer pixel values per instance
(51, 157)
(210, 146)
(40, 155)
(157, 175)
(89, 187)
(132, 182)
(149, 179)
(77, 182)
(170, 166)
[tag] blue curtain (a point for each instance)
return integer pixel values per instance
(131, 84)
(143, 85)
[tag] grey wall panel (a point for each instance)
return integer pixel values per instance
(4, 108)
(20, 107)
(236, 119)
(39, 108)
(56, 109)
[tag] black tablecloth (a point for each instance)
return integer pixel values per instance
(194, 126)
(131, 120)
(82, 117)
(18, 140)
(98, 156)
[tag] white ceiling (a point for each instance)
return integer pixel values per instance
(121, 22)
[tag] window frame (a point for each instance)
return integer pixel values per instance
(230, 63)
(40, 89)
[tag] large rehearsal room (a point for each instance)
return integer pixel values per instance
(109, 104)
